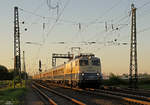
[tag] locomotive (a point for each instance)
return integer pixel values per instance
(82, 71)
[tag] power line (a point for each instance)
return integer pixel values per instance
(46, 17)
(143, 30)
(50, 5)
(147, 3)
(107, 11)
(57, 19)
(124, 17)
(54, 25)
(71, 21)
(50, 30)
(34, 12)
(108, 28)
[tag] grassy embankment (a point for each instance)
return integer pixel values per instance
(116, 81)
(12, 95)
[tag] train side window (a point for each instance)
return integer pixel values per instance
(96, 62)
(84, 62)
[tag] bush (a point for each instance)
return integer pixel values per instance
(9, 75)
(144, 81)
(3, 73)
(115, 80)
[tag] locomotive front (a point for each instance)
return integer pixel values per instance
(90, 71)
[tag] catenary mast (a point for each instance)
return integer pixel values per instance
(133, 76)
(17, 58)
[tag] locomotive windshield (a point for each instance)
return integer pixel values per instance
(96, 62)
(84, 62)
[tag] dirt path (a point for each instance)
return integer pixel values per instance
(32, 98)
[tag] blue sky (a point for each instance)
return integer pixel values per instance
(92, 15)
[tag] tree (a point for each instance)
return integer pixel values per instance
(115, 80)
(3, 73)
(11, 74)
(23, 75)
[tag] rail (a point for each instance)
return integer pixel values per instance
(44, 95)
(60, 94)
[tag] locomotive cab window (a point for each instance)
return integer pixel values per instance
(84, 62)
(96, 62)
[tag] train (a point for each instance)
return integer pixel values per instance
(82, 71)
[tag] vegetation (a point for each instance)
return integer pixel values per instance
(7, 78)
(3, 72)
(8, 94)
(144, 83)
(6, 74)
(12, 95)
(115, 80)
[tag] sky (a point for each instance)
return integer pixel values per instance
(75, 23)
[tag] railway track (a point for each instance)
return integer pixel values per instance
(45, 98)
(54, 97)
(136, 99)
(139, 92)
(130, 98)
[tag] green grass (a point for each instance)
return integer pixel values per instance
(15, 95)
(145, 86)
(142, 83)
(114, 80)
(4, 82)
(140, 86)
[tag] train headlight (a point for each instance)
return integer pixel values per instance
(82, 74)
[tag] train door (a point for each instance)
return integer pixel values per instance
(71, 68)
(65, 68)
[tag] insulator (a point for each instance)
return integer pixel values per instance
(25, 29)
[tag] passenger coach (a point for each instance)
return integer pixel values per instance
(83, 71)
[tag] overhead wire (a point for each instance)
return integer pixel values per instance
(147, 3)
(106, 12)
(121, 19)
(52, 27)
(90, 38)
(124, 17)
(29, 17)
(46, 17)
(109, 32)
(143, 30)
(58, 17)
(104, 32)
(139, 8)
(73, 22)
